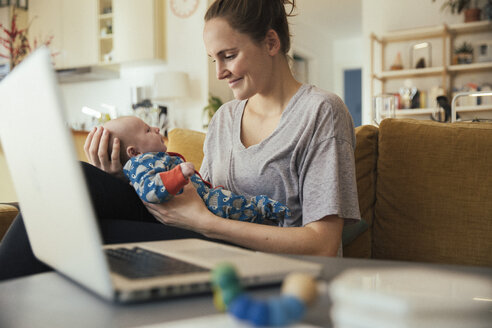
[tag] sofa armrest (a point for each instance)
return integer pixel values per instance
(7, 215)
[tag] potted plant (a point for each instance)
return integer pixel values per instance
(463, 54)
(214, 104)
(16, 43)
(471, 12)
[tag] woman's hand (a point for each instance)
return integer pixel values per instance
(96, 150)
(186, 211)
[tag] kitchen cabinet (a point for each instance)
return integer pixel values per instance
(105, 18)
(443, 70)
(73, 25)
(138, 30)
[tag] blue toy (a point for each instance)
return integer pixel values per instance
(298, 291)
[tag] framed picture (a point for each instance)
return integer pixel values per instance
(421, 55)
(483, 51)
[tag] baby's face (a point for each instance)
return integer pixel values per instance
(145, 138)
(132, 131)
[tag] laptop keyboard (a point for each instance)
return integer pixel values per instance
(138, 263)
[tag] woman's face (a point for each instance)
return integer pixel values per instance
(244, 64)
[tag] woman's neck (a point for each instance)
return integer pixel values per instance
(281, 87)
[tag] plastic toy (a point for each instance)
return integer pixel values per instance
(299, 290)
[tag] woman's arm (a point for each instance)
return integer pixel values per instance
(188, 211)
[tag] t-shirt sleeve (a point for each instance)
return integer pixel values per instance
(327, 181)
(204, 168)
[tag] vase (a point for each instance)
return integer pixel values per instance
(472, 15)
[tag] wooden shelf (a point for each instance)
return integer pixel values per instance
(426, 111)
(405, 73)
(106, 37)
(470, 67)
(435, 31)
(432, 71)
(414, 111)
(106, 16)
(474, 27)
(414, 34)
(478, 108)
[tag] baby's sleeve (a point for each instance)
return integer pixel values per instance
(143, 172)
(173, 180)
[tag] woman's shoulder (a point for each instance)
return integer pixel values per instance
(325, 112)
(321, 99)
(227, 110)
(225, 114)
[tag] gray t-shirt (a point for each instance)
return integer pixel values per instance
(307, 163)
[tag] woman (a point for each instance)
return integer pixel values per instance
(293, 142)
(290, 141)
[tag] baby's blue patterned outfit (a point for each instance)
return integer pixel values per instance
(143, 173)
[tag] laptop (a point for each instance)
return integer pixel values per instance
(61, 222)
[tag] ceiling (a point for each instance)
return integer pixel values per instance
(337, 18)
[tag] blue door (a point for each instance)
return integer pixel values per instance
(353, 93)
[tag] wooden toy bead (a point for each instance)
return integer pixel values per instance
(240, 305)
(225, 275)
(258, 313)
(218, 301)
(293, 307)
(302, 286)
(278, 315)
(225, 285)
(230, 293)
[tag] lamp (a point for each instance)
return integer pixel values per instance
(170, 86)
(463, 94)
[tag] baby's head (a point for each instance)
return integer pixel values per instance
(135, 136)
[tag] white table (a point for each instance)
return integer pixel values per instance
(50, 300)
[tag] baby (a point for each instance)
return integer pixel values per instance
(157, 176)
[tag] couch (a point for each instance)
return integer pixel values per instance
(424, 190)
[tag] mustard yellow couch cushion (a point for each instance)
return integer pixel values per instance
(433, 194)
(188, 143)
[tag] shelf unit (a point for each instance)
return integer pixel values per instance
(420, 111)
(106, 43)
(446, 71)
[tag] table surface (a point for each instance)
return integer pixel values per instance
(51, 300)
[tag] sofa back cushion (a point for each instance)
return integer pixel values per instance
(365, 166)
(433, 193)
(188, 143)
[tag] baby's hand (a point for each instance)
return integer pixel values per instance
(188, 169)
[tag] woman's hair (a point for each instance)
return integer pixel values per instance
(255, 17)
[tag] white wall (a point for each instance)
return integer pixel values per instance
(347, 54)
(381, 16)
(312, 43)
(184, 52)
